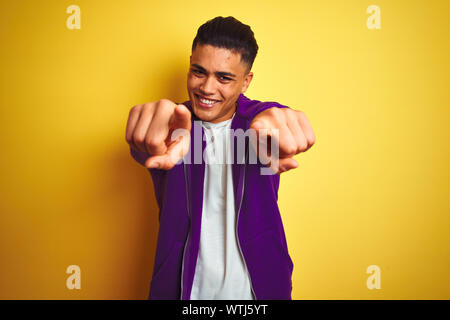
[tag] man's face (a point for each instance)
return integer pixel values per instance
(219, 76)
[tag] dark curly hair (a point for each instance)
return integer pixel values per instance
(228, 33)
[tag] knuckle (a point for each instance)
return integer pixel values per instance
(274, 111)
(313, 138)
(166, 105)
(299, 113)
(153, 143)
(148, 105)
(137, 138)
(271, 111)
(302, 144)
(290, 112)
(291, 150)
(136, 108)
(302, 147)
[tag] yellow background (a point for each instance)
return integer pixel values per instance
(374, 189)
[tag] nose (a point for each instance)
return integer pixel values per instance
(208, 86)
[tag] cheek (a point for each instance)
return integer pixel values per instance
(192, 81)
(229, 92)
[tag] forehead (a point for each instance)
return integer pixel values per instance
(217, 59)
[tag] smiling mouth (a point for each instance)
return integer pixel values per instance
(204, 102)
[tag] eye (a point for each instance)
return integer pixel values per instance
(224, 78)
(197, 71)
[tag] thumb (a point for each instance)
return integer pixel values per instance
(174, 154)
(287, 164)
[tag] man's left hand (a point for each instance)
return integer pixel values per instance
(295, 134)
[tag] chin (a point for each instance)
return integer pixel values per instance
(203, 115)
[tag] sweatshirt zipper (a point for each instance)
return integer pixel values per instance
(237, 222)
(189, 230)
(236, 229)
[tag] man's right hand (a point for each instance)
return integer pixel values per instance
(151, 128)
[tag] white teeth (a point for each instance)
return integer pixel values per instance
(207, 101)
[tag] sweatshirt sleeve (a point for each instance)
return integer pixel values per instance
(139, 156)
(158, 176)
(262, 106)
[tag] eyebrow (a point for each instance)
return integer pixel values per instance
(219, 73)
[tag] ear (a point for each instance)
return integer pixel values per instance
(247, 80)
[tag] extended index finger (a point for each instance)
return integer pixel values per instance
(181, 118)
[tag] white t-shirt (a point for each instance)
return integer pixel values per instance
(220, 272)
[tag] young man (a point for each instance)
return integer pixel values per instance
(220, 231)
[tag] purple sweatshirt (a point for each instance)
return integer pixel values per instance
(261, 238)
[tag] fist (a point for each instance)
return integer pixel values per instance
(295, 135)
(162, 129)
